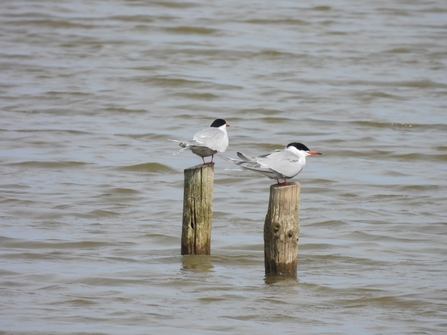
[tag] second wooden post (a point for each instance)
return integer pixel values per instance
(281, 230)
(197, 210)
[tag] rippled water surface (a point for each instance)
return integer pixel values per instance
(91, 195)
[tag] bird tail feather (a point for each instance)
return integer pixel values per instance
(180, 143)
(246, 158)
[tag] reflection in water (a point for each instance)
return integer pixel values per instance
(199, 263)
(274, 279)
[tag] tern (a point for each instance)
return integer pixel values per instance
(278, 164)
(207, 142)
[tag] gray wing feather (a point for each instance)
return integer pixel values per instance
(212, 138)
(280, 163)
(250, 165)
(246, 158)
(186, 145)
(283, 162)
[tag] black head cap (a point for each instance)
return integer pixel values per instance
(299, 146)
(218, 123)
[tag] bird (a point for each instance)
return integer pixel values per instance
(207, 142)
(279, 164)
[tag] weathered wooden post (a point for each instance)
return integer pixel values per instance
(197, 210)
(282, 230)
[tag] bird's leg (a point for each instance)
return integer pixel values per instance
(283, 184)
(205, 163)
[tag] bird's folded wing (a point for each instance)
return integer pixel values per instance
(254, 166)
(212, 138)
(187, 145)
(246, 158)
(281, 161)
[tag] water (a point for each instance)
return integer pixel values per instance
(91, 196)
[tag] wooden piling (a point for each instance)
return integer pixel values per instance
(281, 230)
(197, 210)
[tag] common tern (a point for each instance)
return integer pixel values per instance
(207, 142)
(279, 164)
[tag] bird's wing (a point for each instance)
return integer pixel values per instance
(232, 160)
(281, 161)
(213, 138)
(249, 163)
(187, 145)
(246, 158)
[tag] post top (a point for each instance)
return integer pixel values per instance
(201, 166)
(292, 184)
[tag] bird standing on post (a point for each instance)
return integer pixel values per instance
(279, 164)
(208, 141)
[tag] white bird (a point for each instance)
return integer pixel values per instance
(279, 164)
(208, 141)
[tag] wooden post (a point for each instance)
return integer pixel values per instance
(197, 210)
(282, 230)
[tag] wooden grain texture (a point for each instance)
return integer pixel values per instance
(281, 230)
(197, 210)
